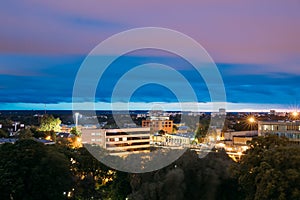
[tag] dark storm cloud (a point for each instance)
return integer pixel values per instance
(20, 81)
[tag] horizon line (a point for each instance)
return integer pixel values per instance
(142, 106)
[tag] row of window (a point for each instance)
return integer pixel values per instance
(126, 144)
(278, 127)
(96, 140)
(164, 126)
(95, 133)
(126, 139)
(289, 135)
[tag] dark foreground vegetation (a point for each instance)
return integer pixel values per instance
(30, 171)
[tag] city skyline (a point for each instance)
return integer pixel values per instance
(255, 46)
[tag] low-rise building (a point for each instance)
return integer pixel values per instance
(230, 134)
(289, 129)
(158, 123)
(179, 139)
(119, 141)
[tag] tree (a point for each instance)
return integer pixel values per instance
(49, 123)
(188, 178)
(25, 134)
(201, 132)
(91, 176)
(175, 129)
(270, 169)
(119, 188)
(75, 131)
(3, 134)
(161, 132)
(30, 170)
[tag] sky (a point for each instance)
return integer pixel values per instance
(255, 45)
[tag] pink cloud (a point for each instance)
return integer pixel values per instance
(231, 31)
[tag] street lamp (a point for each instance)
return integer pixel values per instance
(295, 114)
(76, 119)
(251, 120)
(15, 125)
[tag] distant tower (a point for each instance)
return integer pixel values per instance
(45, 109)
(76, 119)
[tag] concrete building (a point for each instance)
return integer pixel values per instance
(119, 141)
(241, 140)
(229, 135)
(222, 112)
(182, 129)
(179, 139)
(158, 123)
(289, 129)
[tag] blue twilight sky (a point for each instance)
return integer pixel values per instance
(254, 44)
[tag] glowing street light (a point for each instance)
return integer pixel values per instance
(251, 119)
(251, 122)
(295, 114)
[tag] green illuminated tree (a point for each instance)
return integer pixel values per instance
(49, 123)
(75, 131)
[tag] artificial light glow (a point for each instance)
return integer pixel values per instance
(251, 120)
(295, 114)
(48, 137)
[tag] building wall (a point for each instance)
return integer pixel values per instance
(177, 140)
(119, 141)
(289, 129)
(157, 125)
(230, 135)
(241, 140)
(93, 136)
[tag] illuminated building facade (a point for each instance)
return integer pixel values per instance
(289, 129)
(158, 123)
(119, 141)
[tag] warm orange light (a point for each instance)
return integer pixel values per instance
(48, 137)
(295, 114)
(251, 119)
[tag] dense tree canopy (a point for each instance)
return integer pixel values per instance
(188, 178)
(29, 170)
(270, 169)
